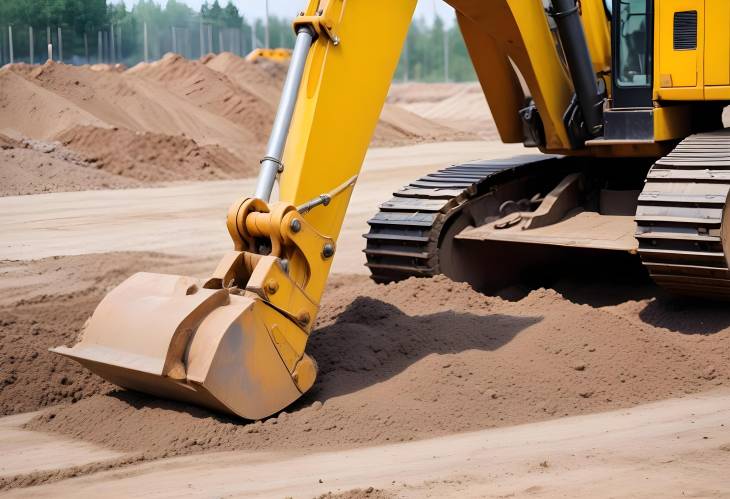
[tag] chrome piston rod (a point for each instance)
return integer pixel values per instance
(271, 165)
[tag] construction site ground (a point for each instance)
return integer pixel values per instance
(586, 387)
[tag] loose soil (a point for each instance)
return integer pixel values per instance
(420, 358)
(460, 106)
(152, 157)
(170, 120)
(36, 167)
(45, 303)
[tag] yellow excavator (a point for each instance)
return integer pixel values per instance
(623, 99)
(275, 55)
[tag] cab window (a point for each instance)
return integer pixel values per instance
(633, 48)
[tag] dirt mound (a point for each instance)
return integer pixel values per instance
(413, 93)
(213, 91)
(428, 357)
(36, 167)
(124, 100)
(397, 126)
(28, 110)
(460, 106)
(152, 157)
(263, 78)
(130, 122)
(44, 304)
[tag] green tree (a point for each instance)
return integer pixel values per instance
(231, 17)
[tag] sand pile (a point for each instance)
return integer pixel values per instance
(174, 119)
(36, 167)
(398, 126)
(461, 106)
(214, 92)
(153, 157)
(261, 77)
(416, 359)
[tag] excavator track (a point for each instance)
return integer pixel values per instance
(681, 226)
(405, 235)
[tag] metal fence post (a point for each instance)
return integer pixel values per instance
(30, 43)
(86, 48)
(266, 27)
(10, 42)
(112, 50)
(220, 40)
(2, 48)
(146, 46)
(210, 38)
(446, 55)
(99, 47)
(119, 45)
(60, 45)
(202, 41)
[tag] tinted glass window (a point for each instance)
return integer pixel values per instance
(633, 61)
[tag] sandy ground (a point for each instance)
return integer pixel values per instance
(405, 370)
(190, 219)
(594, 386)
(673, 448)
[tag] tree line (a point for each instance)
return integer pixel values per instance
(90, 31)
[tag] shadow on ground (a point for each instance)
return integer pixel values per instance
(372, 341)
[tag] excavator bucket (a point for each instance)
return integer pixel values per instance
(168, 336)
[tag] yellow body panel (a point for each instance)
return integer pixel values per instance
(717, 93)
(679, 73)
(717, 48)
(671, 122)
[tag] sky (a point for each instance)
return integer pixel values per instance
(288, 8)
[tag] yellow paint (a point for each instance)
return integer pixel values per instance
(598, 34)
(518, 29)
(671, 122)
(276, 55)
(717, 93)
(499, 82)
(684, 67)
(343, 91)
(717, 46)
